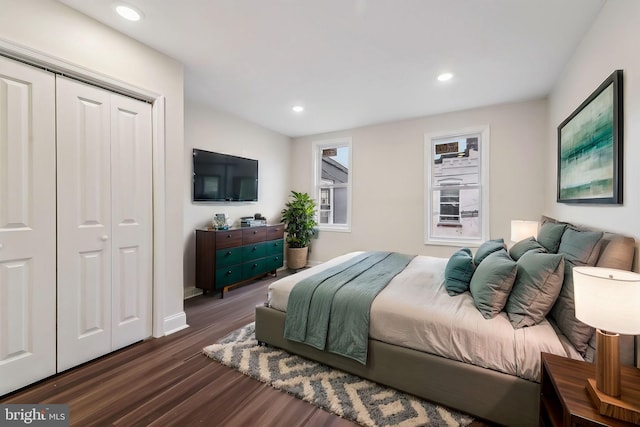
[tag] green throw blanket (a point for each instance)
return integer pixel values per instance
(330, 310)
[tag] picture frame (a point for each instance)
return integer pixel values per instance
(590, 148)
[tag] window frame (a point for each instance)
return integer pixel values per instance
(317, 147)
(483, 186)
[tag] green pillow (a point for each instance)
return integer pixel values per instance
(581, 247)
(487, 248)
(537, 286)
(458, 272)
(492, 282)
(524, 246)
(550, 234)
(564, 314)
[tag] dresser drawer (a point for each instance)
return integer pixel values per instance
(275, 247)
(275, 232)
(254, 268)
(228, 238)
(254, 251)
(227, 275)
(273, 262)
(228, 256)
(253, 235)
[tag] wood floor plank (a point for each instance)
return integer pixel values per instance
(169, 382)
(140, 388)
(145, 411)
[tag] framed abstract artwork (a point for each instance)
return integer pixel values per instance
(590, 143)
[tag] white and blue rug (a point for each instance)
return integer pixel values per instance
(346, 395)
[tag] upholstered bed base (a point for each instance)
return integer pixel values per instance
(484, 393)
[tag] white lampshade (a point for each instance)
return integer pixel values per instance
(522, 229)
(608, 299)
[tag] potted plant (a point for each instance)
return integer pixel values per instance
(299, 218)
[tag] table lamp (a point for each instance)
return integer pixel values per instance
(520, 229)
(609, 300)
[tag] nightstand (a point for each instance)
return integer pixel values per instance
(564, 400)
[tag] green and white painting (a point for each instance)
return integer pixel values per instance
(587, 152)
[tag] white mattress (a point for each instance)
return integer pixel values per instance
(415, 311)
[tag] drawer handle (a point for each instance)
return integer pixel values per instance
(277, 258)
(228, 236)
(229, 272)
(255, 265)
(229, 253)
(255, 232)
(254, 249)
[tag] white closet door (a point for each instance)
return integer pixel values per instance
(84, 222)
(27, 225)
(131, 213)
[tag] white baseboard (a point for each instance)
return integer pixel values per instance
(309, 264)
(191, 292)
(175, 322)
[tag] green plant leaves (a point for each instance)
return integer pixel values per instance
(299, 217)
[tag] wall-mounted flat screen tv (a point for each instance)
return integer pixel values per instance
(221, 177)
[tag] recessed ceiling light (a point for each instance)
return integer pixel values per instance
(297, 109)
(445, 76)
(128, 12)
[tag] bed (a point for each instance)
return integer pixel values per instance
(440, 347)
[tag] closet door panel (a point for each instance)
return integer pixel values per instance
(84, 222)
(27, 225)
(132, 219)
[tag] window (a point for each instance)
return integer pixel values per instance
(332, 182)
(450, 208)
(457, 187)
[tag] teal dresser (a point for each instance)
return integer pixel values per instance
(226, 258)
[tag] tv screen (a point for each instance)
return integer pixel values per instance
(224, 178)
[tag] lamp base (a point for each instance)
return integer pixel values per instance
(626, 407)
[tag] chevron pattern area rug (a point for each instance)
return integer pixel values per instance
(346, 395)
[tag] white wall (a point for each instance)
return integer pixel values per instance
(52, 28)
(610, 44)
(214, 130)
(388, 177)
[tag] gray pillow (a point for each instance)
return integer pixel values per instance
(618, 252)
(581, 247)
(524, 246)
(537, 286)
(564, 314)
(550, 234)
(492, 282)
(458, 272)
(487, 248)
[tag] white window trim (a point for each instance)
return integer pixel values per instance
(317, 179)
(485, 135)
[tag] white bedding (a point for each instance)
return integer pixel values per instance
(415, 311)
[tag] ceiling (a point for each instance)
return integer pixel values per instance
(352, 63)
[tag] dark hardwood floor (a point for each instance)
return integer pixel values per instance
(169, 382)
